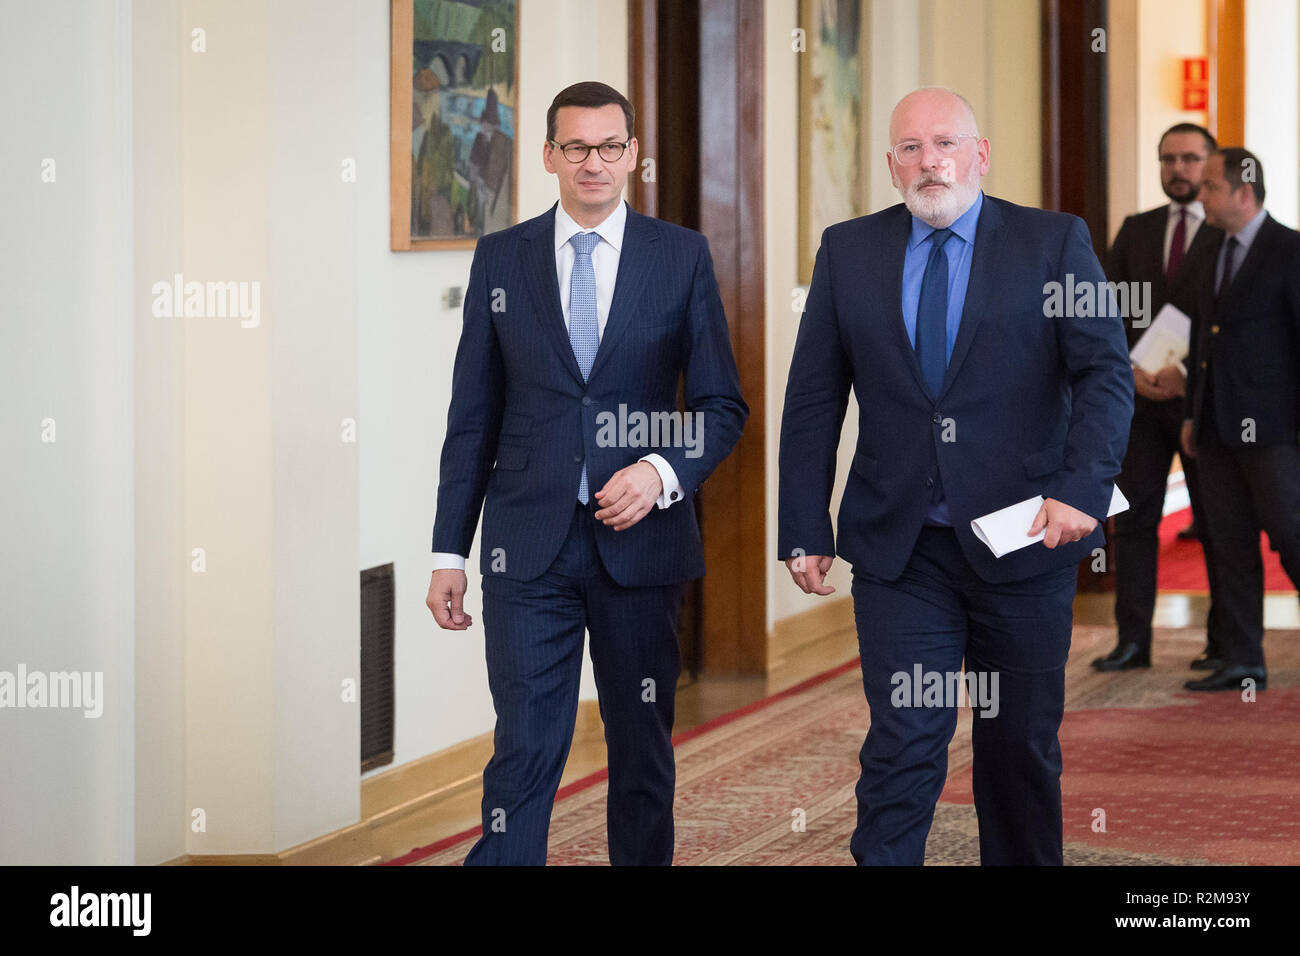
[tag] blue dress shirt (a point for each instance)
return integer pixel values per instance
(959, 255)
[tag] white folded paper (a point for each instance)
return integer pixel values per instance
(1164, 342)
(1007, 530)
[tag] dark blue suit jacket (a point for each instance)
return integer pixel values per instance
(1036, 405)
(522, 421)
(1249, 341)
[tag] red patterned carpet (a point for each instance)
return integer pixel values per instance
(1182, 564)
(1181, 778)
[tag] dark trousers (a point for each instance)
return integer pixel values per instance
(1248, 489)
(1153, 440)
(533, 635)
(937, 613)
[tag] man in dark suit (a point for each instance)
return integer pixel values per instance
(1167, 248)
(975, 391)
(1243, 405)
(578, 326)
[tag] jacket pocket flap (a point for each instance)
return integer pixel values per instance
(864, 465)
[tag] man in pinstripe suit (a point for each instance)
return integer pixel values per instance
(582, 317)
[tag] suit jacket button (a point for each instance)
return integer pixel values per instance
(929, 482)
(1214, 329)
(586, 399)
(577, 458)
(1202, 365)
(936, 418)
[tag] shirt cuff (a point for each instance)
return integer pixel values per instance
(672, 489)
(446, 561)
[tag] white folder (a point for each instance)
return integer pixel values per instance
(1006, 530)
(1164, 342)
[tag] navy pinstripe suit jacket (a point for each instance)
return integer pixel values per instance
(1029, 404)
(522, 420)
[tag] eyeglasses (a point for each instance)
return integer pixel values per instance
(1187, 159)
(578, 152)
(908, 152)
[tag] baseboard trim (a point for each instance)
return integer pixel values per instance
(388, 796)
(791, 634)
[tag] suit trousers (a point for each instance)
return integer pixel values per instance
(533, 637)
(1248, 489)
(1017, 636)
(1153, 440)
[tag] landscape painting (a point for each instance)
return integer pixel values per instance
(453, 121)
(832, 121)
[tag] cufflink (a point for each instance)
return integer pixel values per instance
(675, 495)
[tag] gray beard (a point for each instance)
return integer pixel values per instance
(941, 210)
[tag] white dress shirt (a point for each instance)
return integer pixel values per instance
(1195, 216)
(604, 259)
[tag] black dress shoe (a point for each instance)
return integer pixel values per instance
(1230, 678)
(1122, 658)
(1208, 663)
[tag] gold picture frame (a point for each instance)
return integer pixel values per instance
(457, 105)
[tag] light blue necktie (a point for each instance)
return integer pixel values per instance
(584, 320)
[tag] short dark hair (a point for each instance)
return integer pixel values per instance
(591, 95)
(1210, 144)
(1236, 159)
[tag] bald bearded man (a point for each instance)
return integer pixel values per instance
(975, 391)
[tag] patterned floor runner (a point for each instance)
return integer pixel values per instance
(1181, 777)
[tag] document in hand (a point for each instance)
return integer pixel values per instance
(1007, 530)
(1164, 342)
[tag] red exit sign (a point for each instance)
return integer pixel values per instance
(1196, 83)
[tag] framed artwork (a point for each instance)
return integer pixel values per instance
(832, 120)
(453, 157)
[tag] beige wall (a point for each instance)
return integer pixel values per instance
(1168, 30)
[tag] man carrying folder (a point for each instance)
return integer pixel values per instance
(1166, 247)
(972, 395)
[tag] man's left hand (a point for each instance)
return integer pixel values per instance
(1065, 525)
(629, 495)
(1172, 381)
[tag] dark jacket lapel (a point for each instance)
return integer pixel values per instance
(635, 262)
(984, 269)
(1244, 274)
(544, 289)
(894, 251)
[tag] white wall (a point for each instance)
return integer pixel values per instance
(1273, 101)
(406, 346)
(67, 790)
(161, 558)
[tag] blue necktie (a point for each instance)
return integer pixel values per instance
(584, 320)
(932, 314)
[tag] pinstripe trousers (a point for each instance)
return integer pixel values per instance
(533, 635)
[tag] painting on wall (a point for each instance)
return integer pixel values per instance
(832, 120)
(454, 92)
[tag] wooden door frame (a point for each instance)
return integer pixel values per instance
(733, 502)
